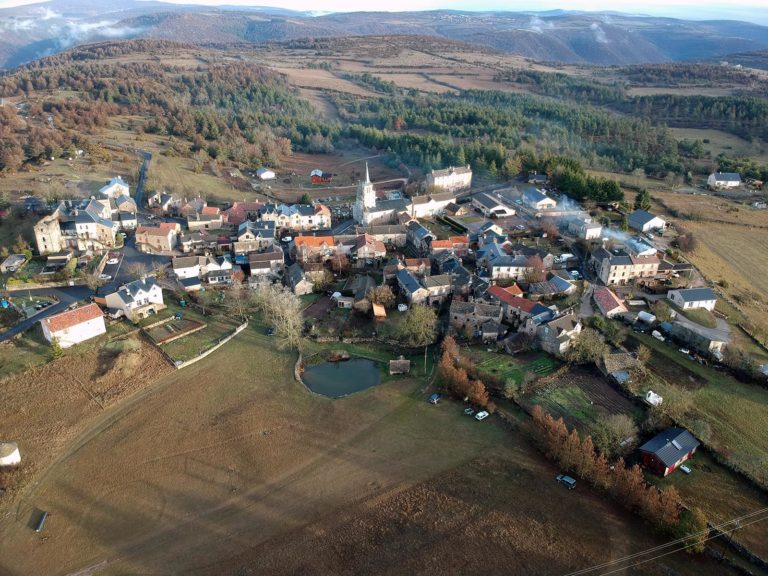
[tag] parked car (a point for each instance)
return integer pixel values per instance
(656, 334)
(105, 277)
(684, 469)
(113, 261)
(685, 351)
(435, 398)
(566, 481)
(482, 415)
(469, 411)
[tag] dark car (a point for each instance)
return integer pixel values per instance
(270, 332)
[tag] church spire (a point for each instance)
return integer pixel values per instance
(367, 177)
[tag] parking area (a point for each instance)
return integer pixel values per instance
(112, 266)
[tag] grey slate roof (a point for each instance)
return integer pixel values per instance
(639, 218)
(728, 176)
(408, 281)
(670, 445)
(696, 294)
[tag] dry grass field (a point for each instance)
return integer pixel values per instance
(231, 467)
(322, 79)
(680, 91)
(724, 143)
(711, 208)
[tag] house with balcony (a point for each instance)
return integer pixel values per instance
(136, 300)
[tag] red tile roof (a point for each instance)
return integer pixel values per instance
(210, 210)
(606, 299)
(71, 318)
(522, 304)
(239, 211)
(160, 230)
(506, 295)
(314, 241)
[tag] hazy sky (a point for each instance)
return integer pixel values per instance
(750, 10)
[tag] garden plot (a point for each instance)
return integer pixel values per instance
(174, 329)
(583, 398)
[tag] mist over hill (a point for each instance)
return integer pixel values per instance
(30, 32)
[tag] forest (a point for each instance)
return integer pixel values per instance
(245, 114)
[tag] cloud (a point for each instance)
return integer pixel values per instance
(73, 32)
(538, 25)
(18, 24)
(49, 14)
(599, 33)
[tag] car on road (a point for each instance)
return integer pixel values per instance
(287, 239)
(482, 415)
(435, 398)
(113, 261)
(469, 411)
(105, 277)
(566, 481)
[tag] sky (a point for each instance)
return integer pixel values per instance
(749, 10)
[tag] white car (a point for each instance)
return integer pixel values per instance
(287, 239)
(685, 351)
(113, 261)
(482, 415)
(105, 277)
(684, 469)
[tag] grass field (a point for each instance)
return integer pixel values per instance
(736, 413)
(723, 142)
(229, 466)
(513, 368)
(217, 327)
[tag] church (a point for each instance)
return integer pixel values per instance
(369, 210)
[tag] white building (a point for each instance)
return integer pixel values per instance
(537, 200)
(724, 180)
(428, 206)
(585, 228)
(645, 221)
(137, 299)
(490, 205)
(451, 179)
(9, 454)
(115, 187)
(692, 298)
(74, 326)
(265, 174)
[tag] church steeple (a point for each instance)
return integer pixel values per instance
(367, 177)
(365, 200)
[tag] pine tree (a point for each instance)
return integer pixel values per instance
(643, 200)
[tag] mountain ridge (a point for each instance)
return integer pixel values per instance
(570, 37)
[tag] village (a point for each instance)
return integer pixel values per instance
(538, 293)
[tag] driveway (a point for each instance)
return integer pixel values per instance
(142, 178)
(121, 273)
(721, 333)
(586, 310)
(66, 296)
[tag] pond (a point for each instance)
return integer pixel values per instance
(337, 379)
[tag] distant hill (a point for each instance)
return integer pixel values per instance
(557, 36)
(757, 59)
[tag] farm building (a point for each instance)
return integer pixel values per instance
(399, 366)
(265, 174)
(666, 451)
(74, 326)
(9, 454)
(537, 200)
(691, 298)
(645, 221)
(491, 206)
(724, 180)
(320, 177)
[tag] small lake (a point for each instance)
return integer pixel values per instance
(337, 379)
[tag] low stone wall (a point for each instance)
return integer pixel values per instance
(180, 365)
(33, 286)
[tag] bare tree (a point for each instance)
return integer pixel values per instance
(535, 271)
(282, 309)
(419, 328)
(136, 270)
(339, 262)
(381, 295)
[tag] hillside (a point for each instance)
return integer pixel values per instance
(559, 36)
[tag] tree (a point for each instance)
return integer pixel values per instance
(693, 525)
(643, 200)
(339, 262)
(136, 270)
(549, 228)
(55, 350)
(662, 311)
(535, 271)
(418, 328)
(305, 199)
(240, 300)
(381, 295)
(612, 431)
(282, 309)
(643, 353)
(588, 347)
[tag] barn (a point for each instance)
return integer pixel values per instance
(320, 177)
(665, 452)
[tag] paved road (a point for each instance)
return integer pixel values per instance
(721, 333)
(66, 296)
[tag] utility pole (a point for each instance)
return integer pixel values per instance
(736, 526)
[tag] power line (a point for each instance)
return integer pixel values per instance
(674, 551)
(719, 527)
